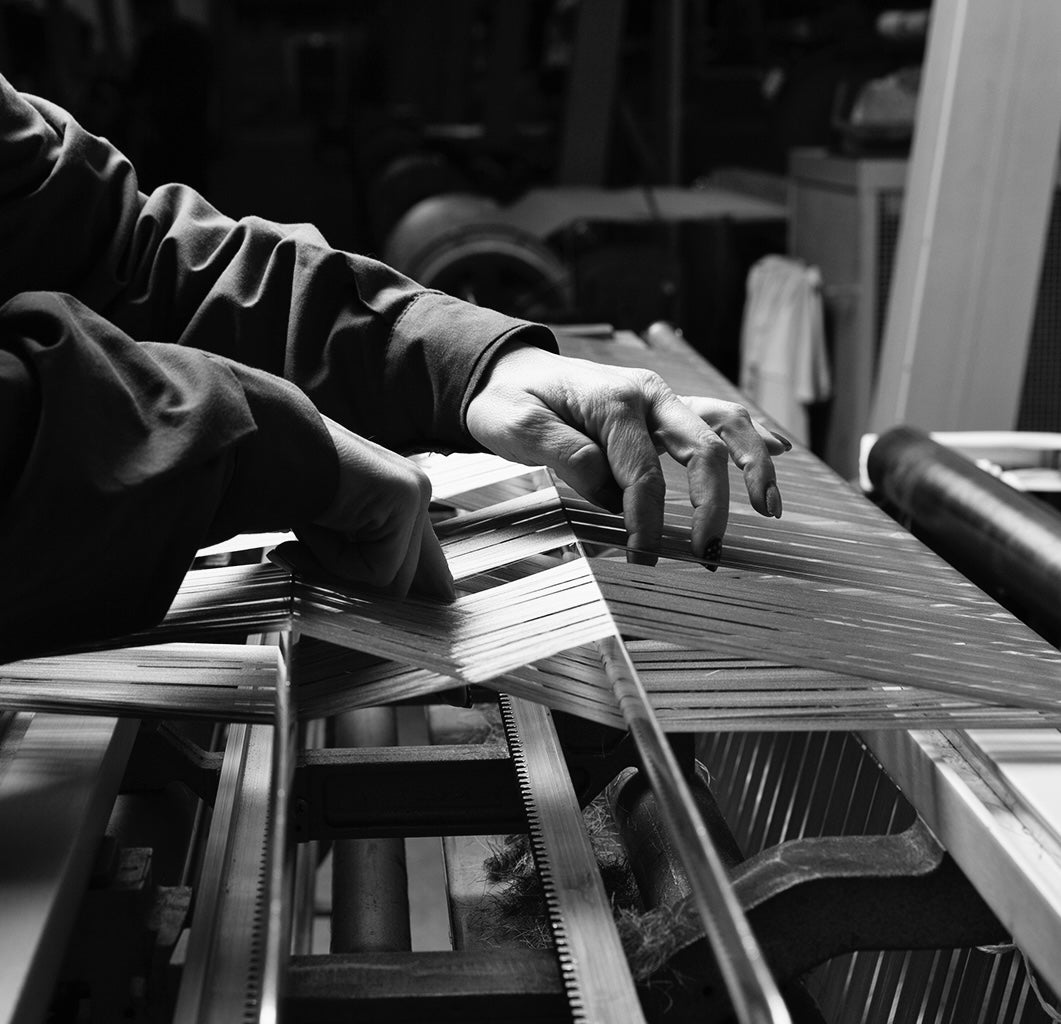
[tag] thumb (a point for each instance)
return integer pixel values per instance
(580, 462)
(433, 577)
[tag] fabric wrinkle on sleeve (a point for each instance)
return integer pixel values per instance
(19, 413)
(140, 453)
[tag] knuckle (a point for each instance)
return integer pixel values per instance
(651, 482)
(422, 483)
(650, 383)
(713, 449)
(586, 462)
(731, 416)
(412, 485)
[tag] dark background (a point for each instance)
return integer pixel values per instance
(345, 113)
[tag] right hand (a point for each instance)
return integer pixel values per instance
(377, 531)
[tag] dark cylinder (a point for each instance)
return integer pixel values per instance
(1006, 542)
(462, 244)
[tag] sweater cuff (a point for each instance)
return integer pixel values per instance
(450, 344)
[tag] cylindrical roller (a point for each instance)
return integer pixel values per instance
(405, 181)
(1005, 541)
(370, 894)
(461, 244)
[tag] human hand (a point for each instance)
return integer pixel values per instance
(377, 531)
(601, 429)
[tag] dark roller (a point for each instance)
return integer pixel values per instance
(1006, 542)
(461, 244)
(404, 182)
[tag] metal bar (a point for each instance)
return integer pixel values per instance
(239, 938)
(370, 896)
(599, 984)
(280, 840)
(487, 984)
(755, 996)
(407, 791)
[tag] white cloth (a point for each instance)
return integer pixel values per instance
(784, 366)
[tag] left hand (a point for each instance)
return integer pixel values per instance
(600, 428)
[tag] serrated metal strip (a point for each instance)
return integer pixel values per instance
(239, 938)
(598, 982)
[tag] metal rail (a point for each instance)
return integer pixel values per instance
(755, 996)
(592, 964)
(240, 934)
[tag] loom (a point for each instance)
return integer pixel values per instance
(834, 760)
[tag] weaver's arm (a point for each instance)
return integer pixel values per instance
(118, 459)
(392, 361)
(373, 350)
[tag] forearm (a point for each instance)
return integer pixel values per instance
(371, 348)
(119, 459)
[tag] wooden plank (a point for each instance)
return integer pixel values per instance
(978, 196)
(1014, 865)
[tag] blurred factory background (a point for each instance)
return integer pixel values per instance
(616, 161)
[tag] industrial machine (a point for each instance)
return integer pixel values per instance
(826, 774)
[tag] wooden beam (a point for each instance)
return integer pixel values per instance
(978, 197)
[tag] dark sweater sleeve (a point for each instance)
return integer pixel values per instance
(118, 459)
(372, 349)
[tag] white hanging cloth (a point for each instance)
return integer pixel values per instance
(784, 366)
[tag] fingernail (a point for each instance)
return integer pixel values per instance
(784, 440)
(773, 500)
(713, 552)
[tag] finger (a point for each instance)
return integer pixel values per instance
(433, 577)
(334, 553)
(402, 580)
(579, 461)
(387, 563)
(687, 439)
(634, 464)
(748, 449)
(708, 409)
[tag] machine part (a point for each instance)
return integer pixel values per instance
(370, 897)
(60, 775)
(594, 753)
(109, 961)
(308, 856)
(462, 244)
(406, 791)
(501, 986)
(814, 898)
(749, 985)
(596, 977)
(163, 754)
(660, 880)
(1004, 541)
(222, 973)
(405, 181)
(239, 940)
